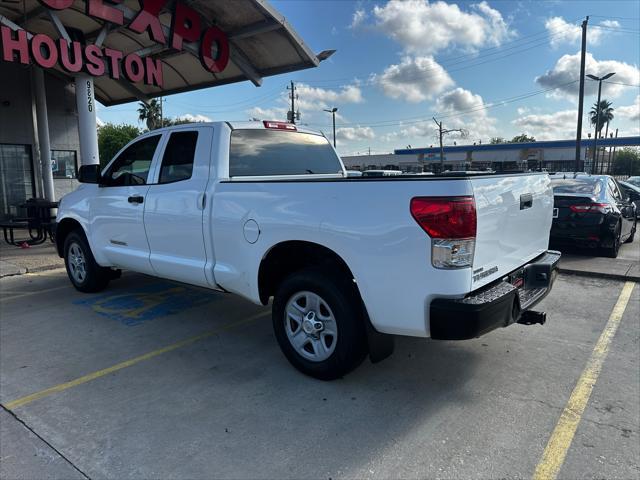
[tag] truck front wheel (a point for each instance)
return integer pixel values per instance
(318, 322)
(85, 274)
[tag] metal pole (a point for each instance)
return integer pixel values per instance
(595, 136)
(581, 94)
(334, 127)
(606, 132)
(441, 147)
(293, 110)
(43, 134)
(87, 128)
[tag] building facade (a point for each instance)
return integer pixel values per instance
(20, 166)
(553, 155)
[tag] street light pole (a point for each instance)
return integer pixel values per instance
(595, 136)
(333, 111)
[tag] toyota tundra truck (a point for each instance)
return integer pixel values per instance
(266, 210)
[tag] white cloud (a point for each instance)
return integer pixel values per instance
(275, 113)
(551, 126)
(467, 111)
(194, 118)
(418, 130)
(310, 102)
(314, 98)
(567, 69)
(359, 16)
(562, 32)
(355, 133)
(415, 79)
(632, 112)
(610, 23)
(457, 109)
(427, 28)
(99, 122)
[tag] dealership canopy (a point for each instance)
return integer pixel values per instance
(139, 50)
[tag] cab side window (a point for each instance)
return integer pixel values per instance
(177, 161)
(132, 166)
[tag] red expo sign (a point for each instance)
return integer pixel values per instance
(74, 57)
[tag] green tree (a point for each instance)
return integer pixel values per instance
(605, 115)
(150, 113)
(111, 138)
(523, 138)
(627, 162)
(497, 140)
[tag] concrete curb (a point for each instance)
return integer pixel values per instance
(608, 276)
(10, 270)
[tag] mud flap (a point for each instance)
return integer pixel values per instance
(381, 345)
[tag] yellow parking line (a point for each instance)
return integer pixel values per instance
(562, 436)
(27, 294)
(20, 402)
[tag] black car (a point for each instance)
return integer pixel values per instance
(633, 192)
(591, 211)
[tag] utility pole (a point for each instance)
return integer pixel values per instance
(161, 112)
(441, 133)
(581, 94)
(291, 116)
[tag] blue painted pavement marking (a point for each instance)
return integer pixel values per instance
(146, 303)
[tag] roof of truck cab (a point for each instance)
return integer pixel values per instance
(246, 125)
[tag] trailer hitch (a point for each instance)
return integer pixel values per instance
(531, 317)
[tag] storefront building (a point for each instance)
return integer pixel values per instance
(58, 57)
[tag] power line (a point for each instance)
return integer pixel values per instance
(616, 18)
(452, 61)
(621, 83)
(616, 29)
(411, 121)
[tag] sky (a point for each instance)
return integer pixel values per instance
(489, 68)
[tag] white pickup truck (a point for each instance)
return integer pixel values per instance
(266, 209)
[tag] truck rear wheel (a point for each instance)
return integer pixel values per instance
(83, 271)
(318, 323)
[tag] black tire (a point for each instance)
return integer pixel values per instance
(633, 232)
(340, 295)
(95, 277)
(612, 250)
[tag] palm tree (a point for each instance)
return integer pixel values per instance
(605, 115)
(150, 113)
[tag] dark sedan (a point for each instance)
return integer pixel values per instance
(633, 192)
(591, 211)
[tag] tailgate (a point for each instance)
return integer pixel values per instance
(514, 219)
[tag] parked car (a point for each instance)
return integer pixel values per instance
(633, 193)
(591, 211)
(633, 181)
(266, 210)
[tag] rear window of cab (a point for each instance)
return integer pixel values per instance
(259, 152)
(588, 186)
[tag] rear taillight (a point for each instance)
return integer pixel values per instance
(451, 223)
(591, 208)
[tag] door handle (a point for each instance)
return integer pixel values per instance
(526, 201)
(202, 201)
(136, 199)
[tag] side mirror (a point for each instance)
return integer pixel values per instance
(89, 174)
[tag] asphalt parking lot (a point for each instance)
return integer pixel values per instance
(152, 379)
